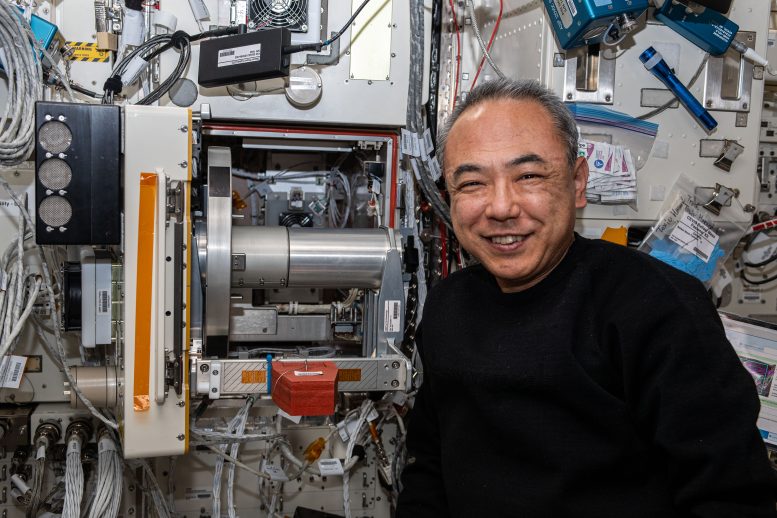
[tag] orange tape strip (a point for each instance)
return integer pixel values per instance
(141, 401)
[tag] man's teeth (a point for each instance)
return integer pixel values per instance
(506, 240)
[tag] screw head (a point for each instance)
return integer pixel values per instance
(181, 437)
(394, 365)
(214, 390)
(215, 372)
(394, 383)
(204, 367)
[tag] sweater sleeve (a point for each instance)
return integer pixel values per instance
(695, 402)
(423, 492)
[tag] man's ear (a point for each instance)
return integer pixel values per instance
(580, 174)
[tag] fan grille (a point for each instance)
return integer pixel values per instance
(292, 14)
(55, 174)
(55, 137)
(55, 211)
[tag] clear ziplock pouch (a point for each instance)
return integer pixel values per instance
(697, 229)
(597, 123)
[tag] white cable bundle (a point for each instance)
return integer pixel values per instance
(74, 478)
(16, 300)
(232, 427)
(25, 86)
(367, 407)
(241, 426)
(109, 479)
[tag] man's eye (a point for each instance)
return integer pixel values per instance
(528, 176)
(469, 185)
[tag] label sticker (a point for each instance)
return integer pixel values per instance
(308, 373)
(74, 447)
(694, 236)
(563, 12)
(253, 377)
(405, 143)
(434, 167)
(85, 51)
(197, 494)
(103, 302)
(11, 371)
(416, 144)
(349, 375)
(428, 143)
(240, 55)
(275, 472)
(41, 454)
(329, 467)
(8, 206)
(391, 316)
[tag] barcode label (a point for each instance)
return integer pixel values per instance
(103, 302)
(391, 314)
(11, 371)
(240, 55)
(17, 369)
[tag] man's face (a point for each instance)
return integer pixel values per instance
(513, 196)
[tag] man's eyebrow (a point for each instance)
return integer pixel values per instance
(526, 159)
(474, 168)
(465, 168)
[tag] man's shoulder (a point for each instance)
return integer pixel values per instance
(626, 263)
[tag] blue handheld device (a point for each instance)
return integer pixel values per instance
(655, 63)
(703, 26)
(587, 22)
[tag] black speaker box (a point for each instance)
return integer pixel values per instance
(77, 174)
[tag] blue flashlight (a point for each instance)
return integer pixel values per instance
(655, 63)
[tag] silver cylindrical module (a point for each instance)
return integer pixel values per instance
(99, 385)
(260, 257)
(271, 257)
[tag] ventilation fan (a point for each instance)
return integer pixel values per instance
(292, 14)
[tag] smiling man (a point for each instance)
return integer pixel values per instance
(566, 376)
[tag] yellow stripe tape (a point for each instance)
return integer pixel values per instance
(141, 401)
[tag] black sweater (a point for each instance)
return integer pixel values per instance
(606, 390)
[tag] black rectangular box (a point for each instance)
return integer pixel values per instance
(77, 174)
(244, 57)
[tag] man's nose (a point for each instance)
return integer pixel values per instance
(503, 204)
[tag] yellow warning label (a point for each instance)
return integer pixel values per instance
(250, 377)
(85, 51)
(349, 375)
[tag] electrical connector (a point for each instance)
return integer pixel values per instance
(314, 450)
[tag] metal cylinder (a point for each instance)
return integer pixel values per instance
(272, 257)
(99, 385)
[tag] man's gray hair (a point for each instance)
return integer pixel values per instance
(509, 89)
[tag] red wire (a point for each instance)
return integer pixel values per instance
(458, 51)
(490, 41)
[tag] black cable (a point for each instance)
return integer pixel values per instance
(179, 40)
(762, 263)
(293, 49)
(347, 24)
(757, 283)
(80, 89)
